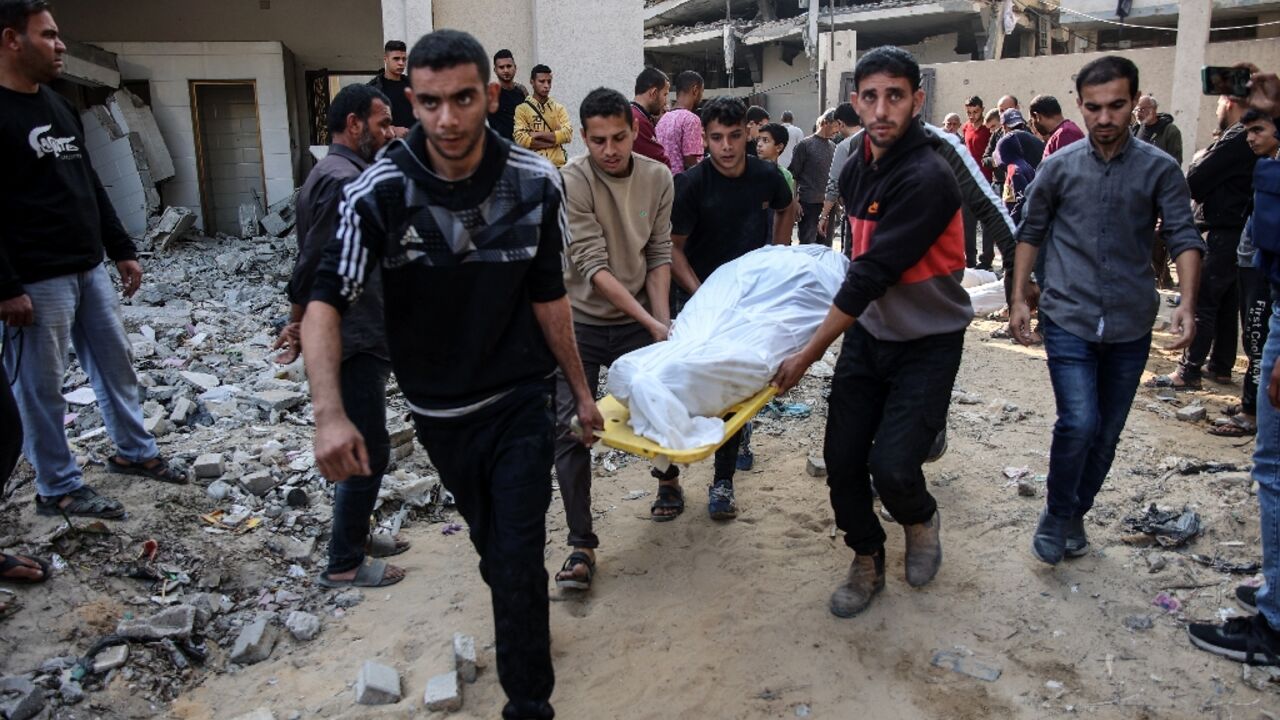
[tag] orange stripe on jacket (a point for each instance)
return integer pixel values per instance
(945, 256)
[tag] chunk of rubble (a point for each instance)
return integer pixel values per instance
(444, 693)
(20, 699)
(464, 656)
(174, 622)
(255, 642)
(377, 684)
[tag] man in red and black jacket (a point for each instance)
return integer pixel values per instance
(905, 311)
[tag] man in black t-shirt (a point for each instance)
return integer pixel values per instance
(393, 83)
(720, 214)
(55, 292)
(510, 94)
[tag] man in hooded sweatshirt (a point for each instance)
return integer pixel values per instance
(1157, 128)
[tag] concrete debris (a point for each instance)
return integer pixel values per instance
(255, 642)
(464, 656)
(1192, 413)
(111, 658)
(183, 410)
(203, 381)
(444, 693)
(348, 598)
(965, 665)
(218, 490)
(175, 224)
(816, 467)
(20, 699)
(174, 622)
(291, 548)
(377, 684)
(278, 400)
(209, 465)
(70, 691)
(281, 216)
(259, 483)
(303, 625)
(248, 220)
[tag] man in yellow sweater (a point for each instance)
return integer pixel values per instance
(618, 279)
(542, 124)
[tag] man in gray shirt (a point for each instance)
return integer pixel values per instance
(1092, 207)
(811, 164)
(360, 123)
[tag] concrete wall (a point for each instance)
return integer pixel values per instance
(335, 34)
(801, 97)
(585, 52)
(116, 162)
(937, 49)
(496, 24)
(1055, 75)
(171, 66)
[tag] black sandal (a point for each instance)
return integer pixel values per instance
(670, 497)
(576, 558)
(156, 468)
(85, 502)
(9, 562)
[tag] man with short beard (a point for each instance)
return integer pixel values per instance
(510, 94)
(467, 230)
(1048, 122)
(652, 88)
(903, 313)
(359, 124)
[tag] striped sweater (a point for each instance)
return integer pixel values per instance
(462, 264)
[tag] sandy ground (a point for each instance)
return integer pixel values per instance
(693, 619)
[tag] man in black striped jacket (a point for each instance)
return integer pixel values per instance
(469, 231)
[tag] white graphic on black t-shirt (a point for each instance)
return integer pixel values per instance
(48, 145)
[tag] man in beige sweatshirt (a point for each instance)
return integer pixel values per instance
(618, 279)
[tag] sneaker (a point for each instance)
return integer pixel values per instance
(1248, 640)
(1049, 542)
(720, 502)
(1077, 543)
(865, 579)
(939, 447)
(1247, 597)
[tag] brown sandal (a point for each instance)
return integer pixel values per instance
(156, 468)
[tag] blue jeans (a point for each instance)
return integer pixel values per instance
(80, 311)
(364, 395)
(1093, 384)
(1266, 470)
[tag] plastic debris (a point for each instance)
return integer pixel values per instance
(1167, 602)
(1170, 528)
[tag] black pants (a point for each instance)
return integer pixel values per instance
(497, 463)
(1217, 309)
(807, 228)
(10, 430)
(888, 402)
(599, 345)
(971, 256)
(364, 394)
(1255, 314)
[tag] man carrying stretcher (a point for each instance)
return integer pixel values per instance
(905, 313)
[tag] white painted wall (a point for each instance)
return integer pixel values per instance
(496, 24)
(801, 98)
(117, 168)
(171, 66)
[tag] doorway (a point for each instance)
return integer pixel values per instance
(228, 152)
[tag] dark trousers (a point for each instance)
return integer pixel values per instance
(497, 463)
(971, 256)
(1255, 316)
(807, 228)
(888, 402)
(599, 345)
(10, 431)
(364, 394)
(1217, 309)
(1093, 386)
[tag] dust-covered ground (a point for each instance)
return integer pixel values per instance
(686, 619)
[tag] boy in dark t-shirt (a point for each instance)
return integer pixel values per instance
(720, 214)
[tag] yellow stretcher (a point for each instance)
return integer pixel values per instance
(617, 432)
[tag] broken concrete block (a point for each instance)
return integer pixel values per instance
(377, 684)
(248, 220)
(209, 465)
(1192, 413)
(111, 658)
(464, 656)
(816, 467)
(348, 598)
(444, 693)
(20, 699)
(218, 490)
(278, 400)
(132, 115)
(303, 625)
(259, 483)
(157, 425)
(255, 642)
(403, 434)
(175, 224)
(203, 381)
(183, 409)
(291, 548)
(174, 622)
(281, 216)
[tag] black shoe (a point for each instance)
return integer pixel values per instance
(1248, 640)
(1050, 540)
(939, 447)
(1247, 598)
(1077, 543)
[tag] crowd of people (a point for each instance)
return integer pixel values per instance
(448, 237)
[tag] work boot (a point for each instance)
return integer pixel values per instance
(866, 578)
(1077, 541)
(1050, 541)
(924, 550)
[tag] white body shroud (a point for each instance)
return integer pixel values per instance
(727, 343)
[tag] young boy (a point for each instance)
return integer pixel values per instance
(770, 144)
